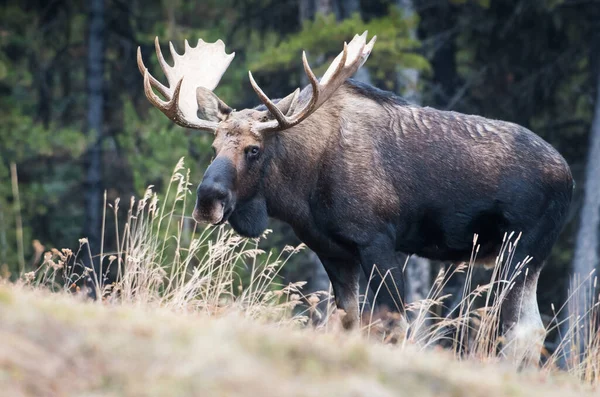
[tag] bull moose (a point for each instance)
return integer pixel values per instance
(360, 174)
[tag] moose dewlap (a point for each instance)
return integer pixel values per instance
(360, 174)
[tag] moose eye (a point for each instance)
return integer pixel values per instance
(252, 151)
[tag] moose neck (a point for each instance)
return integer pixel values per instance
(295, 157)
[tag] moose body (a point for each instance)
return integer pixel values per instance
(360, 175)
(428, 179)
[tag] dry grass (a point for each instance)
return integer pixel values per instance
(56, 345)
(203, 310)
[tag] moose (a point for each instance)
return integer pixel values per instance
(361, 175)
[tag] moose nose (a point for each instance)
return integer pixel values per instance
(208, 193)
(213, 203)
(215, 195)
(217, 182)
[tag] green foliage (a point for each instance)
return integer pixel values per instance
(395, 48)
(34, 135)
(145, 140)
(481, 3)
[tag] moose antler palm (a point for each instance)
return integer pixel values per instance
(199, 69)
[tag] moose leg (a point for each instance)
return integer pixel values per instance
(523, 329)
(380, 265)
(344, 276)
(522, 325)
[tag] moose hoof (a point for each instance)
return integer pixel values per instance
(523, 344)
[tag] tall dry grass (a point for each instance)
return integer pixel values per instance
(163, 260)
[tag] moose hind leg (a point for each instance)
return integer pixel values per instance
(523, 329)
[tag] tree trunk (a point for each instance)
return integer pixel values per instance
(586, 258)
(418, 270)
(324, 6)
(306, 10)
(95, 120)
(348, 7)
(408, 79)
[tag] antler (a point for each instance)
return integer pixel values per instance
(200, 66)
(343, 66)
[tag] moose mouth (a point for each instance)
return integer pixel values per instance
(215, 213)
(226, 214)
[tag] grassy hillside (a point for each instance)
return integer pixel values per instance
(55, 345)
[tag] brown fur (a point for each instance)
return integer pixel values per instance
(367, 175)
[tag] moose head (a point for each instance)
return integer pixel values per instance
(241, 137)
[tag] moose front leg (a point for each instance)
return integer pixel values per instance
(344, 276)
(380, 265)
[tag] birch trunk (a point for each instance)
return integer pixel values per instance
(586, 259)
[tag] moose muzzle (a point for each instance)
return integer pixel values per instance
(215, 199)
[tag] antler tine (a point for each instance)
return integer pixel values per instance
(166, 68)
(340, 66)
(343, 66)
(309, 73)
(314, 82)
(369, 46)
(174, 53)
(164, 91)
(174, 102)
(171, 108)
(152, 97)
(281, 118)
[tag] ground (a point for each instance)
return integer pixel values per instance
(57, 345)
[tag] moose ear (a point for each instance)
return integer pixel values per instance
(210, 106)
(288, 104)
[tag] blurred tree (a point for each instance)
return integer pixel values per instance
(586, 256)
(37, 82)
(93, 188)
